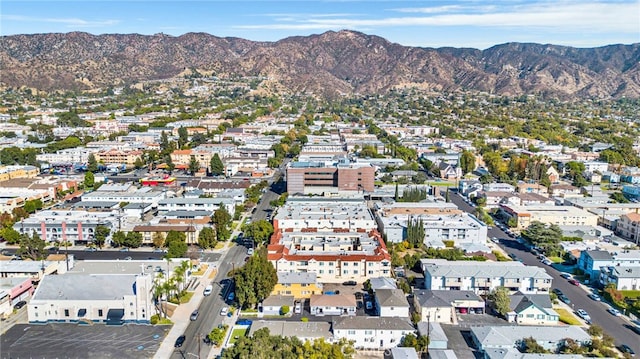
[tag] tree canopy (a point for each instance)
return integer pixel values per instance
(255, 281)
(176, 243)
(501, 300)
(260, 231)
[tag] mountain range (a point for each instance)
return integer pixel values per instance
(330, 63)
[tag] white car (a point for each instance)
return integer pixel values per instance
(224, 311)
(614, 311)
(207, 290)
(583, 314)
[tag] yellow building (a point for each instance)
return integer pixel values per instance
(11, 172)
(116, 156)
(300, 285)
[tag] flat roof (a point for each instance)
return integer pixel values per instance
(85, 287)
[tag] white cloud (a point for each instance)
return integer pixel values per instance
(70, 22)
(592, 17)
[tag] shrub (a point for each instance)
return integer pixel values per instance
(284, 310)
(304, 319)
(154, 319)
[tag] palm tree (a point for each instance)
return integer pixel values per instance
(157, 295)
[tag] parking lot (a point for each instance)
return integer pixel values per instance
(86, 341)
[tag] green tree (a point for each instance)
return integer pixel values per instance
(101, 233)
(10, 235)
(133, 240)
(618, 197)
(139, 163)
(216, 166)
(183, 136)
(170, 165)
(419, 343)
(501, 300)
(530, 345)
(158, 239)
(89, 180)
(255, 281)
(194, 165)
(207, 238)
(92, 163)
(467, 162)
(176, 243)
(259, 231)
(118, 238)
(221, 220)
(31, 247)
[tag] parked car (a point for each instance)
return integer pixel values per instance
(547, 262)
(231, 296)
(368, 305)
(207, 340)
(124, 249)
(207, 290)
(594, 297)
(557, 291)
(90, 249)
(614, 311)
(574, 282)
(19, 305)
(250, 251)
(583, 314)
(194, 315)
(564, 299)
(224, 310)
(627, 349)
(350, 283)
(565, 275)
(181, 339)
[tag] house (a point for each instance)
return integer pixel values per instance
(297, 284)
(622, 278)
(506, 337)
(336, 304)
(482, 277)
(382, 283)
(274, 304)
(403, 353)
(301, 330)
(441, 306)
(391, 303)
(629, 227)
(437, 337)
(100, 298)
(564, 190)
(560, 215)
(552, 174)
(372, 332)
(449, 171)
(532, 309)
(13, 290)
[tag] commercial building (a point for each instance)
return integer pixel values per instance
(329, 177)
(100, 298)
(482, 277)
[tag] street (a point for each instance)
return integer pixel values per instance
(617, 327)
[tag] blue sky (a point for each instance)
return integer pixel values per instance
(466, 23)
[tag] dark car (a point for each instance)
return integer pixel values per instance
(564, 299)
(626, 349)
(181, 339)
(350, 282)
(207, 340)
(557, 291)
(19, 305)
(574, 282)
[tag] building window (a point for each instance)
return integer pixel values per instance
(351, 332)
(100, 312)
(66, 312)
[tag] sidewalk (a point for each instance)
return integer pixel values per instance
(181, 318)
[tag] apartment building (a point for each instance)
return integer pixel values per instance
(482, 277)
(628, 227)
(335, 238)
(300, 285)
(560, 215)
(118, 156)
(76, 227)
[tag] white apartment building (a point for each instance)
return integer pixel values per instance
(441, 222)
(196, 204)
(65, 225)
(144, 195)
(67, 156)
(100, 298)
(372, 332)
(482, 277)
(560, 215)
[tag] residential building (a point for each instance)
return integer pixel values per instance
(628, 227)
(532, 309)
(149, 231)
(560, 215)
(391, 303)
(482, 277)
(11, 172)
(372, 332)
(118, 156)
(591, 262)
(13, 290)
(272, 305)
(565, 190)
(442, 306)
(100, 298)
(622, 278)
(595, 166)
(442, 222)
(437, 337)
(330, 177)
(75, 227)
(300, 285)
(334, 304)
(403, 353)
(552, 338)
(195, 204)
(302, 330)
(145, 195)
(449, 171)
(498, 187)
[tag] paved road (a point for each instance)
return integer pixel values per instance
(617, 327)
(209, 309)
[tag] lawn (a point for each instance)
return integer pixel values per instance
(203, 268)
(237, 333)
(631, 293)
(567, 317)
(555, 260)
